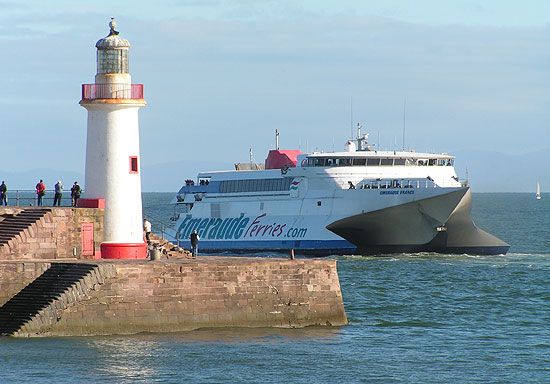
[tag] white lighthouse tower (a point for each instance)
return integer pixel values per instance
(112, 149)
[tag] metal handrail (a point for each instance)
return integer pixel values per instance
(26, 197)
(165, 230)
(393, 183)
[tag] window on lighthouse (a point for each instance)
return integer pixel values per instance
(133, 164)
(112, 61)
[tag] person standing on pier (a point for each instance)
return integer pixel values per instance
(147, 229)
(40, 192)
(194, 242)
(58, 193)
(75, 193)
(3, 194)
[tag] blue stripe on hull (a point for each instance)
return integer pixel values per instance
(307, 247)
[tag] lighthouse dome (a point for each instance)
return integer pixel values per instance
(113, 40)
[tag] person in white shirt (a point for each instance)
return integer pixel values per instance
(147, 229)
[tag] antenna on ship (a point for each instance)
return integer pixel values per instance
(404, 115)
(276, 139)
(351, 118)
(359, 141)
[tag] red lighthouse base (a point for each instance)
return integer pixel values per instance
(123, 250)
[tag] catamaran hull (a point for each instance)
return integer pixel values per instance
(410, 224)
(384, 231)
(463, 237)
(435, 224)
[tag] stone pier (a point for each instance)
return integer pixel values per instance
(132, 296)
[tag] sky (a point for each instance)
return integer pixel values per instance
(221, 75)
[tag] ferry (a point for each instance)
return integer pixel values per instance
(357, 201)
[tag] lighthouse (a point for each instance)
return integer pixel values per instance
(112, 149)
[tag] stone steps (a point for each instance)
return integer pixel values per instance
(169, 250)
(61, 284)
(20, 224)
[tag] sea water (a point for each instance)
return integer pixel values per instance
(413, 318)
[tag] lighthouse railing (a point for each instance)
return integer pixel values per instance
(112, 91)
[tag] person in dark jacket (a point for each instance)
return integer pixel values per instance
(58, 193)
(3, 194)
(194, 243)
(75, 193)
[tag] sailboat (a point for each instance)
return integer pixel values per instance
(538, 191)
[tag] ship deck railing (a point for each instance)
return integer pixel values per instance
(402, 183)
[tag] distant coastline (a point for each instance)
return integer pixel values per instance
(487, 172)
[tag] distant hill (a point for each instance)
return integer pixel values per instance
(487, 172)
(169, 177)
(499, 172)
(28, 179)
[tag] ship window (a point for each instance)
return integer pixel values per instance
(410, 162)
(432, 162)
(449, 162)
(375, 161)
(255, 185)
(441, 162)
(422, 162)
(319, 162)
(215, 210)
(386, 162)
(399, 162)
(344, 162)
(359, 161)
(331, 162)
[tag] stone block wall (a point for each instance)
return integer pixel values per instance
(67, 225)
(180, 295)
(14, 276)
(56, 236)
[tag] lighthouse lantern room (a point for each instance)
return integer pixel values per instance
(112, 148)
